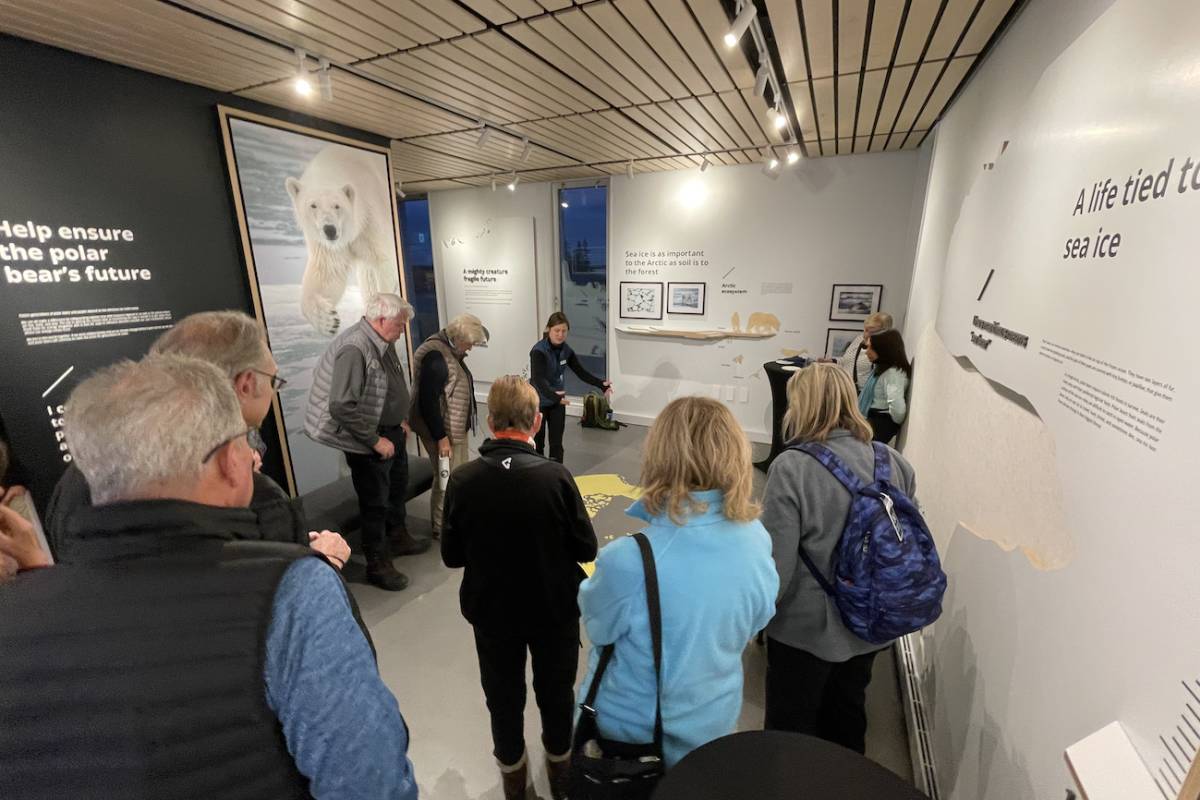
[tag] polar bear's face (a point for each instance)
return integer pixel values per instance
(325, 213)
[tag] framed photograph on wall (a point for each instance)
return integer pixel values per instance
(685, 298)
(308, 203)
(641, 300)
(838, 339)
(854, 302)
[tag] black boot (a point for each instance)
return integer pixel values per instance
(381, 573)
(404, 543)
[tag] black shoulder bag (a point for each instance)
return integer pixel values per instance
(602, 769)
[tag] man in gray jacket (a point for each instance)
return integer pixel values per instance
(359, 404)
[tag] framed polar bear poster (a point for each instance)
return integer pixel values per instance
(319, 232)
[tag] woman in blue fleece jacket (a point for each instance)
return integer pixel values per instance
(717, 585)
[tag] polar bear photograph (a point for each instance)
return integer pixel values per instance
(319, 222)
(342, 206)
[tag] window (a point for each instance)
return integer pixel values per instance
(417, 242)
(583, 257)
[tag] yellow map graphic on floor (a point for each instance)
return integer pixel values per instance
(608, 518)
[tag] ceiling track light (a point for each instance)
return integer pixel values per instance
(629, 169)
(493, 181)
(516, 179)
(740, 23)
(400, 190)
(525, 150)
(760, 80)
(793, 155)
(485, 135)
(301, 84)
(704, 165)
(771, 165)
(778, 118)
(325, 80)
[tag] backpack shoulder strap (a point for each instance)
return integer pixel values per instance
(883, 462)
(835, 465)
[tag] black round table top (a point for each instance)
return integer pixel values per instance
(773, 765)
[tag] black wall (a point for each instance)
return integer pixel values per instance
(86, 142)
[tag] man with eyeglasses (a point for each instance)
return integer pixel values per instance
(359, 404)
(170, 655)
(234, 342)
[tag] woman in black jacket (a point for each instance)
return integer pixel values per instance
(518, 525)
(549, 360)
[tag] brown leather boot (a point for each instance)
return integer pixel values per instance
(403, 543)
(558, 771)
(516, 779)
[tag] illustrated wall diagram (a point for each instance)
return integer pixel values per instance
(1067, 278)
(489, 271)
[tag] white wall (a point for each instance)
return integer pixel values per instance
(463, 213)
(1067, 546)
(844, 220)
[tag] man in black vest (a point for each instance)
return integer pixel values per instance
(516, 521)
(167, 657)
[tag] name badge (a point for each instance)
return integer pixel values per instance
(562, 363)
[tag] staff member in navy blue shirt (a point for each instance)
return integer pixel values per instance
(548, 362)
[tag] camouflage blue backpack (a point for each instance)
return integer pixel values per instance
(887, 580)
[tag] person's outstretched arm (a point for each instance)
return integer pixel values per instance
(584, 375)
(342, 724)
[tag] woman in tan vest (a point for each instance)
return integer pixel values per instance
(443, 399)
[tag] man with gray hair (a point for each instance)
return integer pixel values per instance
(358, 404)
(854, 360)
(175, 658)
(234, 343)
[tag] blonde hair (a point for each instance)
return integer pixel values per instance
(512, 404)
(466, 329)
(694, 445)
(821, 398)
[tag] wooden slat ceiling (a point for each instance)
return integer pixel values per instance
(590, 85)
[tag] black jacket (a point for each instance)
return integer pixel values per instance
(136, 669)
(517, 523)
(278, 518)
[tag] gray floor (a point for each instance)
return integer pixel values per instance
(427, 654)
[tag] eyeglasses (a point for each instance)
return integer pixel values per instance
(277, 382)
(252, 437)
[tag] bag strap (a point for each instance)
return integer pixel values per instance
(883, 462)
(655, 631)
(835, 465)
(606, 653)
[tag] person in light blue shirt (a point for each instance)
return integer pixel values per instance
(342, 724)
(717, 585)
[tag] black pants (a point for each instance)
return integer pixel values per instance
(826, 699)
(554, 418)
(883, 427)
(502, 673)
(381, 486)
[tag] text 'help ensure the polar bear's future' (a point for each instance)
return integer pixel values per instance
(33, 252)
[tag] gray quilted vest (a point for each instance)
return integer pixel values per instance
(319, 424)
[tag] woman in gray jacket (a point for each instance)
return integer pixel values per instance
(817, 670)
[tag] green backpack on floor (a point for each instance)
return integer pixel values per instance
(597, 413)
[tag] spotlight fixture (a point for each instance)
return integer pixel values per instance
(777, 118)
(400, 190)
(525, 150)
(771, 165)
(493, 181)
(740, 23)
(301, 84)
(485, 135)
(704, 165)
(629, 169)
(760, 80)
(325, 80)
(512, 185)
(793, 155)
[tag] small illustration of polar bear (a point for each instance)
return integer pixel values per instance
(342, 205)
(762, 322)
